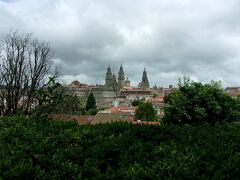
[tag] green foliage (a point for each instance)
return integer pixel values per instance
(56, 99)
(135, 102)
(145, 111)
(196, 103)
(48, 98)
(92, 112)
(40, 149)
(91, 102)
(70, 104)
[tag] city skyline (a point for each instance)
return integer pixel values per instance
(199, 39)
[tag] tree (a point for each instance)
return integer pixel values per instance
(91, 102)
(57, 99)
(145, 111)
(135, 102)
(195, 103)
(92, 112)
(25, 63)
(70, 104)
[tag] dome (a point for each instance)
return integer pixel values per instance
(127, 80)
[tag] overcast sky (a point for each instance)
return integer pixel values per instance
(172, 38)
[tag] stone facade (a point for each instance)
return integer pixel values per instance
(114, 83)
(113, 87)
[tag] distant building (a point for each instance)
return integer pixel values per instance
(116, 84)
(233, 91)
(113, 87)
(119, 87)
(145, 83)
(169, 90)
(136, 93)
(158, 104)
(109, 118)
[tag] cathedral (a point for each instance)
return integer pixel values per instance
(114, 87)
(119, 83)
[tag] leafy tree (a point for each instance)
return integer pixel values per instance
(135, 102)
(92, 112)
(145, 111)
(70, 104)
(196, 103)
(91, 102)
(56, 99)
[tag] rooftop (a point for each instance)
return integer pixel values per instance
(108, 118)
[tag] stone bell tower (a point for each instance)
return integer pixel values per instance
(108, 78)
(145, 82)
(121, 77)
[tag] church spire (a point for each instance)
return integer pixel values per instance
(145, 82)
(109, 77)
(121, 77)
(109, 71)
(144, 76)
(121, 74)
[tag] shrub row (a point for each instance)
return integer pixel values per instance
(44, 149)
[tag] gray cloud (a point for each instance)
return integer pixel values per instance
(171, 38)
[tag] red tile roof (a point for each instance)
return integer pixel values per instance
(146, 122)
(122, 109)
(158, 99)
(109, 118)
(81, 119)
(233, 93)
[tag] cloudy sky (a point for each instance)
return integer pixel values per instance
(172, 38)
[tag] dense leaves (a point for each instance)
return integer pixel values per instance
(145, 111)
(135, 102)
(38, 149)
(91, 102)
(92, 112)
(56, 99)
(197, 103)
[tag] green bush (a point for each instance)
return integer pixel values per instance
(43, 149)
(91, 102)
(196, 103)
(56, 99)
(135, 102)
(92, 112)
(145, 111)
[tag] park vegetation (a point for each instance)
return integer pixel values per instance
(145, 111)
(195, 103)
(28, 79)
(40, 149)
(91, 106)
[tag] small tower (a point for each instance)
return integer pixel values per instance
(108, 78)
(144, 83)
(127, 83)
(121, 77)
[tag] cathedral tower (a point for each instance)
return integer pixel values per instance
(121, 77)
(144, 83)
(108, 78)
(114, 80)
(114, 85)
